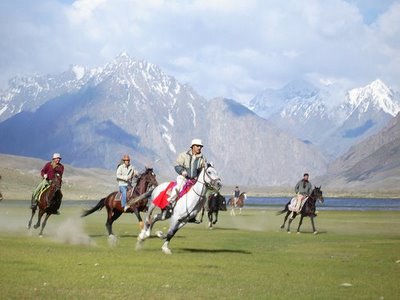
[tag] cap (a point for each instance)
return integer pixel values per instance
(56, 155)
(197, 142)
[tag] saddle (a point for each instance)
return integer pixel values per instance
(292, 205)
(162, 198)
(129, 194)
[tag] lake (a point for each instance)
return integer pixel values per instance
(331, 203)
(266, 202)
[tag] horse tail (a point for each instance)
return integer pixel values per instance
(99, 206)
(286, 209)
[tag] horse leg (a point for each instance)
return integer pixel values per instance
(202, 215)
(112, 215)
(313, 225)
(30, 220)
(175, 226)
(216, 217)
(301, 222)
(146, 231)
(285, 219)
(44, 223)
(290, 221)
(139, 217)
(233, 211)
(40, 214)
(210, 219)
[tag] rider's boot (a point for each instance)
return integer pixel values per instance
(172, 199)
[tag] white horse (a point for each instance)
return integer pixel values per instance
(186, 208)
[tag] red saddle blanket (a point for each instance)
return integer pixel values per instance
(162, 198)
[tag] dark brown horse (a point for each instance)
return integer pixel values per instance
(137, 198)
(49, 202)
(308, 210)
(215, 203)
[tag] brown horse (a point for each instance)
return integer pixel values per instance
(136, 199)
(49, 202)
(308, 210)
(239, 203)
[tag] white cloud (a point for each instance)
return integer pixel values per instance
(220, 47)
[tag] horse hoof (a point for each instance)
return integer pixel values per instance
(315, 232)
(36, 226)
(166, 250)
(160, 234)
(139, 245)
(298, 232)
(40, 235)
(289, 232)
(112, 240)
(282, 227)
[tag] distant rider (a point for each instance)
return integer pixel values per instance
(302, 189)
(50, 170)
(235, 194)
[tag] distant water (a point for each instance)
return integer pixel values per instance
(267, 202)
(331, 203)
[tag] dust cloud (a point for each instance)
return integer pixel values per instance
(68, 231)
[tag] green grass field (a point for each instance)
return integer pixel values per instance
(356, 255)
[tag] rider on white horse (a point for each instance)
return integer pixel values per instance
(187, 166)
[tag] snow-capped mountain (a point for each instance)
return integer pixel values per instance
(327, 117)
(28, 93)
(131, 106)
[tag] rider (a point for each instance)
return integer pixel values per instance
(235, 194)
(188, 166)
(49, 171)
(125, 174)
(302, 189)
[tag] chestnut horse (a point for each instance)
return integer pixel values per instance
(308, 210)
(239, 203)
(49, 202)
(136, 199)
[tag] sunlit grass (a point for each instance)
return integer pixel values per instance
(246, 257)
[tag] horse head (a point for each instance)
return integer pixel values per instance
(317, 194)
(146, 180)
(211, 178)
(56, 182)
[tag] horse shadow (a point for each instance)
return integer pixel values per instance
(193, 250)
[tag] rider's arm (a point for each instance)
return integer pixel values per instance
(180, 162)
(297, 187)
(121, 175)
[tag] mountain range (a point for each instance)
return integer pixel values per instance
(329, 117)
(131, 106)
(94, 116)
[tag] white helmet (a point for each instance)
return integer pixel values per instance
(56, 155)
(197, 142)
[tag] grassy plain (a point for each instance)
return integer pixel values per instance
(356, 255)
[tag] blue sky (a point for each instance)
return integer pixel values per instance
(229, 48)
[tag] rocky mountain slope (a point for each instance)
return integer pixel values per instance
(373, 164)
(131, 106)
